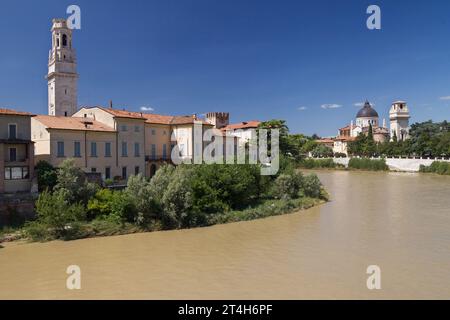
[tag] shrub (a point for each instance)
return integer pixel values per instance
(72, 179)
(322, 151)
(439, 167)
(318, 163)
(220, 187)
(56, 213)
(114, 206)
(139, 192)
(368, 164)
(177, 199)
(311, 186)
(287, 186)
(37, 231)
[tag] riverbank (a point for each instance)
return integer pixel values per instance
(99, 228)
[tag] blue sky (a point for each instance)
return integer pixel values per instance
(255, 59)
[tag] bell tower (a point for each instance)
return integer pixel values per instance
(399, 118)
(62, 72)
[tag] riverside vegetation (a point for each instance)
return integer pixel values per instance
(439, 167)
(185, 196)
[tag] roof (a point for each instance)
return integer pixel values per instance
(346, 139)
(242, 125)
(151, 117)
(11, 112)
(72, 123)
(123, 113)
(345, 128)
(325, 140)
(367, 111)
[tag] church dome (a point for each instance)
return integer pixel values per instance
(367, 111)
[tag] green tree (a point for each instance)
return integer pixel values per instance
(46, 175)
(72, 179)
(322, 151)
(139, 191)
(55, 212)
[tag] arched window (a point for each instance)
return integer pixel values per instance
(64, 40)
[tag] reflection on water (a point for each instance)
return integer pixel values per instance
(400, 222)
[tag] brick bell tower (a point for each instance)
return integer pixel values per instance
(62, 72)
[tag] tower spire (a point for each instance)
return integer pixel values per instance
(62, 74)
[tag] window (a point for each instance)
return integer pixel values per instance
(164, 151)
(164, 132)
(107, 149)
(94, 149)
(124, 172)
(60, 151)
(153, 132)
(107, 173)
(12, 154)
(136, 170)
(65, 113)
(153, 151)
(123, 128)
(136, 150)
(124, 149)
(137, 129)
(64, 40)
(93, 170)
(16, 173)
(77, 149)
(12, 131)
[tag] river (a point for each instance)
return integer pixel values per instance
(399, 222)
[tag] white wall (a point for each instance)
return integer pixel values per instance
(395, 164)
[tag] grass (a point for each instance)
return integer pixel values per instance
(368, 164)
(439, 167)
(266, 209)
(319, 164)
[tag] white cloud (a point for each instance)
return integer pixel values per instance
(302, 108)
(330, 106)
(445, 98)
(147, 109)
(361, 104)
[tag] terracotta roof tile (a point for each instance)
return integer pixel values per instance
(242, 125)
(14, 112)
(73, 123)
(123, 113)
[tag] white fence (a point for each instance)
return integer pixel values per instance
(399, 164)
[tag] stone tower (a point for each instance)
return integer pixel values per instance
(62, 72)
(399, 120)
(218, 119)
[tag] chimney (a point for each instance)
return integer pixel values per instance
(110, 104)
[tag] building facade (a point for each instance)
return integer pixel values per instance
(16, 152)
(367, 118)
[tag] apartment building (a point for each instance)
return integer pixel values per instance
(16, 151)
(92, 144)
